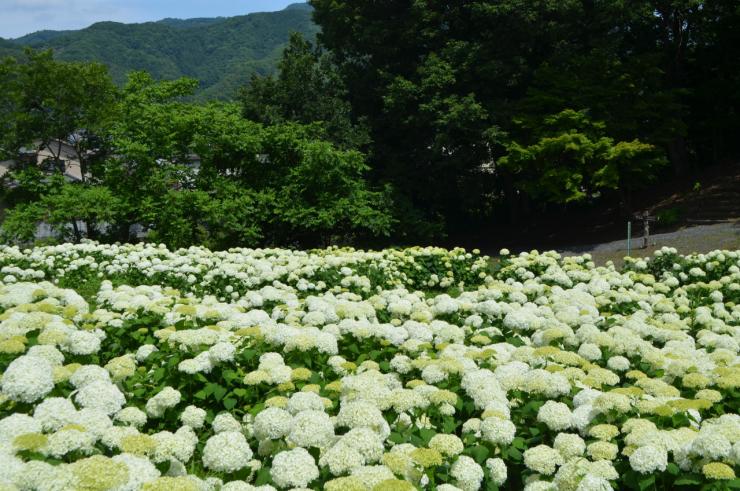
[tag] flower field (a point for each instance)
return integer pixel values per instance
(129, 367)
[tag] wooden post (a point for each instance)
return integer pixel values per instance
(646, 219)
(629, 237)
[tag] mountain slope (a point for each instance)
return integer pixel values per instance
(8, 48)
(221, 52)
(39, 37)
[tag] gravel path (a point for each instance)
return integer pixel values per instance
(698, 239)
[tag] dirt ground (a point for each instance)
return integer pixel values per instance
(698, 239)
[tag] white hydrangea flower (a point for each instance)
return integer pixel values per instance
(101, 395)
(64, 441)
(311, 429)
(82, 343)
(222, 352)
(226, 452)
(165, 399)
(372, 475)
(712, 445)
(293, 468)
(179, 445)
(648, 459)
(555, 415)
(87, 374)
(143, 352)
(49, 353)
(132, 416)
(618, 363)
(467, 473)
(140, 471)
(17, 424)
(498, 431)
(445, 444)
(341, 458)
(359, 414)
(54, 412)
(194, 417)
(304, 401)
(94, 420)
(497, 468)
(225, 422)
(543, 459)
(272, 423)
(365, 441)
(569, 445)
(27, 379)
(594, 483)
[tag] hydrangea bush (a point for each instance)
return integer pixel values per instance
(341, 369)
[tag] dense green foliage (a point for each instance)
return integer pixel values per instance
(451, 89)
(187, 173)
(570, 159)
(308, 89)
(8, 48)
(50, 101)
(221, 53)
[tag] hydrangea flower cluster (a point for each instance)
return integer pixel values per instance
(342, 369)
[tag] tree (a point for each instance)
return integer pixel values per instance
(308, 89)
(443, 85)
(64, 208)
(151, 140)
(325, 197)
(569, 158)
(436, 81)
(246, 186)
(225, 216)
(45, 102)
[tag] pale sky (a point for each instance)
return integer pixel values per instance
(19, 17)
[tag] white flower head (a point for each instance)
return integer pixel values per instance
(27, 379)
(294, 468)
(226, 452)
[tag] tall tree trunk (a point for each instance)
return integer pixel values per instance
(92, 233)
(679, 156)
(625, 202)
(76, 229)
(510, 195)
(676, 30)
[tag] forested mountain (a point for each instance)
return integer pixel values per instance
(222, 53)
(8, 48)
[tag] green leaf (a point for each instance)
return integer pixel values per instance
(219, 392)
(396, 438)
(687, 480)
(733, 484)
(263, 476)
(449, 425)
(479, 453)
(426, 434)
(647, 482)
(515, 454)
(159, 374)
(229, 403)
